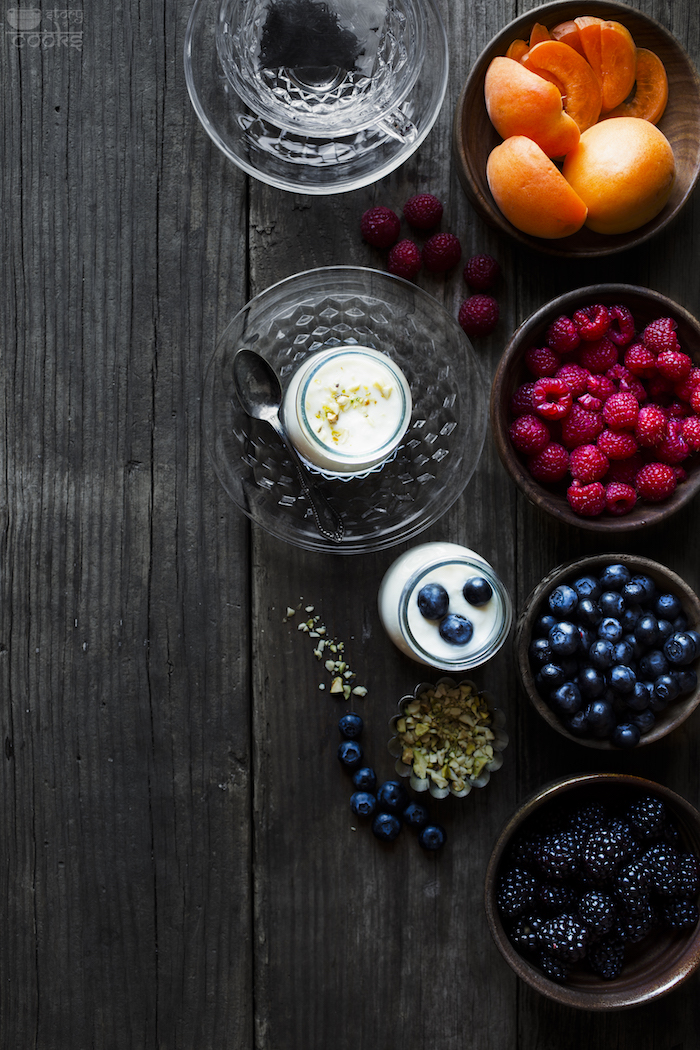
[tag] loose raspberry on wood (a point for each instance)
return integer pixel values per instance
(481, 272)
(423, 211)
(404, 260)
(478, 315)
(441, 252)
(380, 226)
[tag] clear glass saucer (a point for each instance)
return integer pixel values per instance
(335, 306)
(295, 161)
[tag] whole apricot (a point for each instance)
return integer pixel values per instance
(623, 169)
(520, 102)
(531, 191)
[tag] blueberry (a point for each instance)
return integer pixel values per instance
(647, 630)
(543, 625)
(639, 589)
(611, 603)
(623, 652)
(680, 623)
(577, 724)
(630, 617)
(364, 779)
(432, 837)
(665, 630)
(668, 606)
(640, 697)
(653, 664)
(601, 654)
(687, 680)
(433, 601)
(610, 628)
(456, 629)
(564, 638)
(350, 726)
(477, 591)
(540, 652)
(636, 647)
(614, 577)
(644, 720)
(415, 815)
(666, 688)
(625, 734)
(588, 612)
(590, 682)
(566, 700)
(680, 648)
(657, 704)
(392, 797)
(386, 826)
(587, 636)
(622, 679)
(587, 587)
(600, 717)
(363, 804)
(350, 754)
(550, 676)
(563, 600)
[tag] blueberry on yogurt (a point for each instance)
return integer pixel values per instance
(477, 591)
(456, 629)
(433, 601)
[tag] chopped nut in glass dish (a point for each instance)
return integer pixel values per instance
(448, 738)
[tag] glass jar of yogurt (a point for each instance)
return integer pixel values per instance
(443, 605)
(346, 409)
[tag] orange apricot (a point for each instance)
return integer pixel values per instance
(623, 170)
(567, 33)
(651, 90)
(531, 191)
(618, 63)
(516, 49)
(580, 87)
(589, 34)
(538, 33)
(519, 102)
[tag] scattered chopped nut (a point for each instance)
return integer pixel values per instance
(337, 667)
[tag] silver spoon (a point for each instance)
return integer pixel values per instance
(260, 394)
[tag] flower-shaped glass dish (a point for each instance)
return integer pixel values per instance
(457, 718)
(293, 160)
(350, 305)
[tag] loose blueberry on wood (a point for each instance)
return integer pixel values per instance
(415, 815)
(392, 796)
(364, 778)
(363, 804)
(350, 754)
(432, 837)
(433, 601)
(350, 725)
(386, 826)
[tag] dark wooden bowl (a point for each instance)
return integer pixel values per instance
(646, 306)
(474, 136)
(655, 966)
(667, 581)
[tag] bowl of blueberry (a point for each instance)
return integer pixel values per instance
(608, 650)
(591, 891)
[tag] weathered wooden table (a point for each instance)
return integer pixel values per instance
(180, 866)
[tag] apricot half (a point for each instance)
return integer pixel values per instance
(618, 63)
(580, 87)
(651, 90)
(519, 102)
(567, 33)
(623, 170)
(531, 192)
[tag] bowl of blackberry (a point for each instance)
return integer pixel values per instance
(608, 650)
(595, 408)
(591, 891)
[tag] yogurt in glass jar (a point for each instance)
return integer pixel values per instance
(346, 409)
(443, 605)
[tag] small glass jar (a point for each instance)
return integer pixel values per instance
(346, 410)
(450, 566)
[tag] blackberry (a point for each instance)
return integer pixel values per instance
(555, 898)
(564, 937)
(589, 816)
(634, 928)
(679, 913)
(524, 934)
(626, 834)
(602, 854)
(553, 967)
(646, 816)
(517, 892)
(687, 879)
(632, 885)
(525, 850)
(606, 958)
(662, 863)
(557, 855)
(597, 912)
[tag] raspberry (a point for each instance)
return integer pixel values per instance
(629, 384)
(617, 444)
(441, 252)
(681, 474)
(575, 377)
(650, 427)
(695, 400)
(481, 272)
(598, 356)
(551, 464)
(685, 388)
(581, 427)
(562, 335)
(587, 500)
(691, 432)
(600, 386)
(677, 410)
(542, 361)
(620, 411)
(621, 329)
(478, 315)
(656, 482)
(660, 335)
(422, 211)
(528, 434)
(521, 400)
(551, 398)
(587, 463)
(619, 498)
(674, 364)
(590, 403)
(404, 260)
(659, 389)
(624, 470)
(673, 449)
(639, 360)
(380, 227)
(592, 322)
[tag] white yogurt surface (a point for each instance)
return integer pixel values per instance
(347, 408)
(449, 565)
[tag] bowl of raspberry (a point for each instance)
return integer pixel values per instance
(608, 650)
(591, 891)
(595, 408)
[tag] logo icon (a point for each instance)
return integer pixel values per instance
(23, 18)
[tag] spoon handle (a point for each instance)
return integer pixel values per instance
(328, 521)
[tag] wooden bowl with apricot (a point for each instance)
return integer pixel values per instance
(585, 441)
(577, 132)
